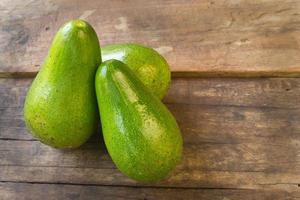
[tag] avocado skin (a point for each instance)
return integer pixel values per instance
(151, 68)
(60, 107)
(140, 133)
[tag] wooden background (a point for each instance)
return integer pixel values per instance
(235, 93)
(197, 37)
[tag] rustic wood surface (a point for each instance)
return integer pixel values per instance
(71, 192)
(241, 136)
(198, 38)
(241, 141)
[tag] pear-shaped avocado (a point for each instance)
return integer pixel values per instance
(148, 65)
(140, 133)
(60, 107)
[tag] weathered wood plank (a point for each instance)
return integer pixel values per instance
(251, 92)
(238, 133)
(244, 165)
(276, 99)
(257, 155)
(27, 191)
(244, 38)
(180, 178)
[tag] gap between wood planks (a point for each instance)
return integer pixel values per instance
(129, 186)
(193, 74)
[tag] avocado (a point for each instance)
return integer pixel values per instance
(141, 135)
(61, 107)
(151, 68)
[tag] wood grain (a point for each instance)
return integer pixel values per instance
(241, 140)
(280, 95)
(70, 192)
(198, 38)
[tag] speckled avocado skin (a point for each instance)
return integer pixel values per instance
(60, 107)
(151, 68)
(140, 133)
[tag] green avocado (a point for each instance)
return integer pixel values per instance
(140, 133)
(61, 107)
(151, 68)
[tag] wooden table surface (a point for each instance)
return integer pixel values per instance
(235, 93)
